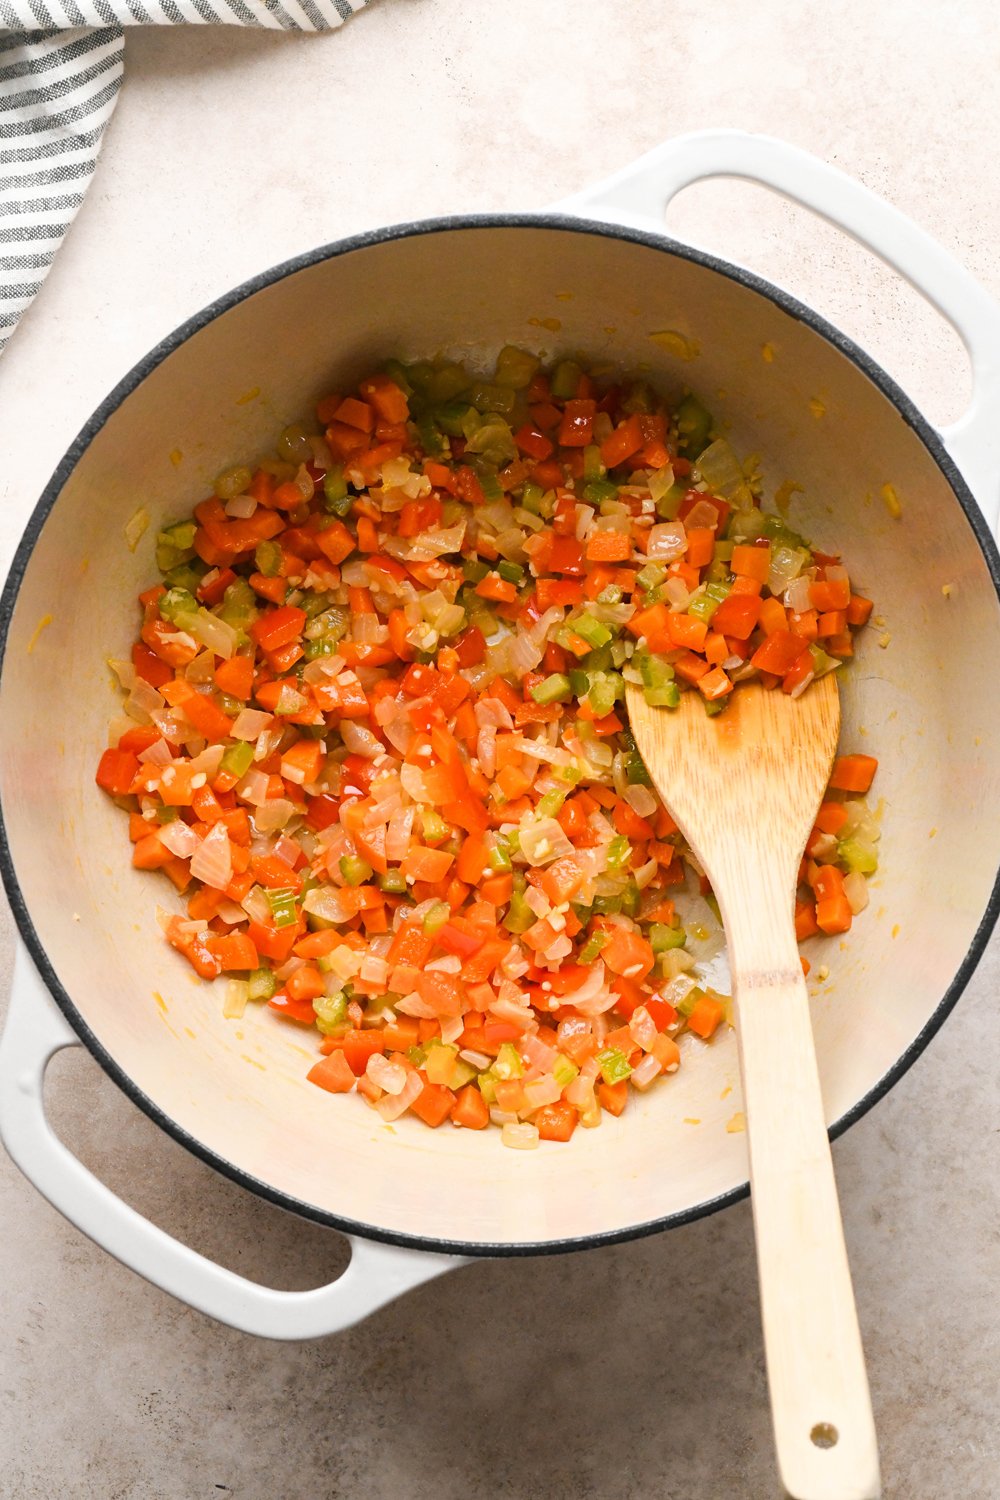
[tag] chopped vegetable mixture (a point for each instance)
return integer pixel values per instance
(376, 733)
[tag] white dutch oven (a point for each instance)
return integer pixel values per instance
(415, 1203)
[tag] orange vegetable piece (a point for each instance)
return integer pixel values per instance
(853, 773)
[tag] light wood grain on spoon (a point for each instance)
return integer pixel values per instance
(744, 788)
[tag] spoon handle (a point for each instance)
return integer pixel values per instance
(823, 1422)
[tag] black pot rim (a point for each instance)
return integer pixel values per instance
(553, 221)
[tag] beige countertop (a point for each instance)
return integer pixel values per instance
(622, 1373)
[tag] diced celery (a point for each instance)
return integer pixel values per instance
(519, 914)
(614, 1065)
(447, 381)
(417, 1056)
(635, 770)
(593, 631)
(486, 473)
(515, 368)
(564, 1071)
(284, 912)
(858, 855)
(334, 488)
(714, 706)
(166, 814)
(451, 417)
(593, 468)
(461, 1074)
(704, 604)
(498, 856)
(662, 937)
(434, 826)
(631, 899)
(393, 881)
(263, 985)
(177, 605)
(610, 595)
(669, 504)
(603, 693)
(268, 559)
(688, 1002)
(776, 529)
(474, 571)
(510, 572)
(554, 689)
(436, 918)
(595, 491)
(237, 759)
(619, 852)
(239, 605)
(579, 682)
(550, 804)
(355, 870)
(651, 576)
(431, 437)
(508, 1062)
(592, 947)
(486, 397)
(667, 696)
(694, 424)
(531, 497)
(566, 380)
(331, 1013)
(397, 372)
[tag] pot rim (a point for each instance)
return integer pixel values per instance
(568, 223)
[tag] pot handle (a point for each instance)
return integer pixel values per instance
(377, 1273)
(637, 196)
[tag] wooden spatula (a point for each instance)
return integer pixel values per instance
(744, 787)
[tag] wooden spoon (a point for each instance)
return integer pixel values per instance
(744, 787)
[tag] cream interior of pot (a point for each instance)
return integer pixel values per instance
(923, 696)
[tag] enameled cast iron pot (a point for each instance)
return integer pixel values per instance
(416, 1202)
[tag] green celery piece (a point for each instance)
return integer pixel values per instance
(566, 379)
(510, 572)
(592, 947)
(324, 647)
(461, 1074)
(237, 759)
(508, 1063)
(263, 985)
(268, 557)
(603, 694)
(593, 468)
(694, 424)
(610, 595)
(519, 914)
(166, 814)
(776, 530)
(564, 1071)
(554, 689)
(451, 417)
(398, 373)
(651, 576)
(355, 870)
(635, 770)
(436, 918)
(486, 473)
(667, 696)
(180, 535)
(668, 505)
(448, 381)
(591, 630)
(239, 605)
(619, 852)
(550, 804)
(434, 826)
(690, 1000)
(704, 605)
(417, 1056)
(284, 912)
(858, 856)
(431, 438)
(515, 368)
(334, 488)
(331, 1013)
(487, 1085)
(714, 706)
(492, 398)
(631, 899)
(596, 491)
(393, 881)
(474, 571)
(531, 497)
(498, 856)
(614, 1065)
(579, 682)
(662, 937)
(177, 605)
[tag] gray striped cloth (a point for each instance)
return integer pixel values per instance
(61, 65)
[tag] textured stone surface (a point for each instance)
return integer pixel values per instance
(628, 1372)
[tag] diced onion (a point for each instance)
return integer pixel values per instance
(391, 1106)
(390, 1076)
(856, 891)
(179, 838)
(520, 1137)
(359, 740)
(544, 841)
(272, 814)
(250, 724)
(212, 861)
(644, 1072)
(235, 1003)
(242, 506)
(669, 541)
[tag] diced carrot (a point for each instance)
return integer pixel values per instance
(853, 773)
(555, 1122)
(433, 1105)
(333, 1073)
(470, 1109)
(706, 1015)
(613, 1097)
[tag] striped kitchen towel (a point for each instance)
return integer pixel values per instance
(61, 65)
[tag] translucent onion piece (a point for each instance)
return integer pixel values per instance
(242, 506)
(703, 514)
(721, 471)
(124, 671)
(207, 761)
(797, 594)
(646, 1071)
(641, 800)
(668, 541)
(235, 1003)
(391, 1106)
(390, 1076)
(250, 724)
(143, 701)
(272, 814)
(179, 839)
(520, 1137)
(156, 754)
(253, 787)
(397, 838)
(359, 740)
(214, 633)
(856, 891)
(544, 841)
(212, 862)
